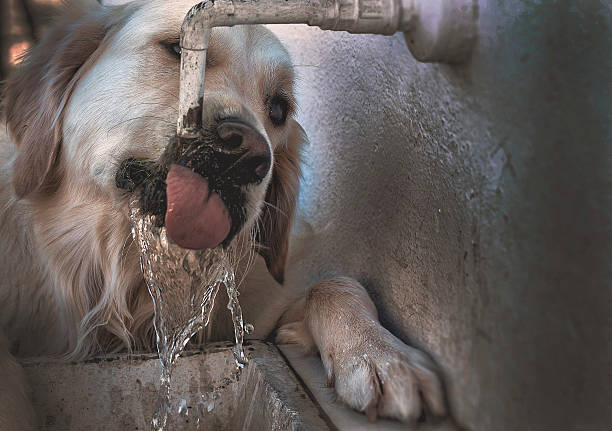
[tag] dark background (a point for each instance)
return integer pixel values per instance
(22, 22)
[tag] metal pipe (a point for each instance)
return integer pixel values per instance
(436, 30)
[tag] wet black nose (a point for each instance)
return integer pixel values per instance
(237, 135)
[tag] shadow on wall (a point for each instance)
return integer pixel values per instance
(388, 182)
(474, 203)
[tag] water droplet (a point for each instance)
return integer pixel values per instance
(249, 328)
(234, 306)
(182, 408)
(163, 240)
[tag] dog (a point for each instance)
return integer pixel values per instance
(91, 123)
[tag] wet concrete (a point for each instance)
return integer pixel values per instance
(118, 392)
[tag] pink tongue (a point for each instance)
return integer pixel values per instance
(196, 217)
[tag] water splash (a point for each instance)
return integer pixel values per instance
(182, 408)
(234, 307)
(183, 284)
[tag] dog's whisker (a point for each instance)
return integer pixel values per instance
(274, 207)
(251, 249)
(242, 156)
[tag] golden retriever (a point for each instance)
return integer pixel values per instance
(91, 116)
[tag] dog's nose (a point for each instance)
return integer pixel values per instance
(237, 135)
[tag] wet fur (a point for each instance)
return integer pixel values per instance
(71, 285)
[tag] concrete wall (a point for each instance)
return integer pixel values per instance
(474, 203)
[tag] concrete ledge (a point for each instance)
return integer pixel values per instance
(119, 392)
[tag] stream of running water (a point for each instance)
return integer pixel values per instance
(183, 284)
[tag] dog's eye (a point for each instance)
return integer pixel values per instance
(174, 48)
(278, 110)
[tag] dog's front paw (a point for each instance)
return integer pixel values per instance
(382, 376)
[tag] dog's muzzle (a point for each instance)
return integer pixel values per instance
(198, 188)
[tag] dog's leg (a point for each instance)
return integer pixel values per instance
(372, 370)
(16, 413)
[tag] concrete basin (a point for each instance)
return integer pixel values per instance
(119, 392)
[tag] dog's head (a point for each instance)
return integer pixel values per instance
(95, 104)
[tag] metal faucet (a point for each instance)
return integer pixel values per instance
(434, 30)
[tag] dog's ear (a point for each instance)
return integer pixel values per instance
(281, 199)
(38, 92)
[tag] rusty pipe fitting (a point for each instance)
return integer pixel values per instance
(435, 30)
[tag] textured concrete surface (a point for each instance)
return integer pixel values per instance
(119, 393)
(475, 203)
